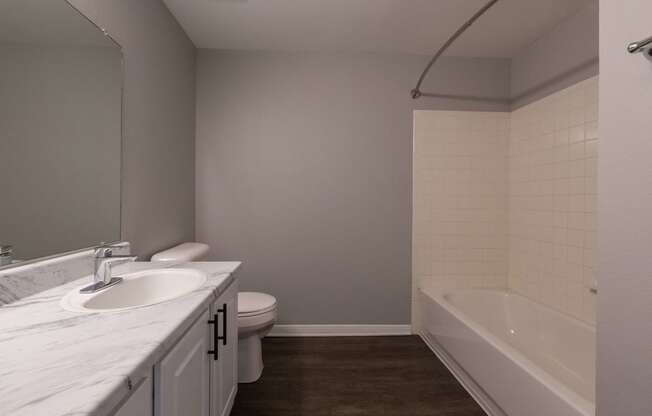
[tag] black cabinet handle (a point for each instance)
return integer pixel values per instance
(222, 337)
(215, 352)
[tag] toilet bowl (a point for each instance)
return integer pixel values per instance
(256, 314)
(256, 317)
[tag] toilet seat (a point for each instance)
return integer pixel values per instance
(255, 303)
(249, 324)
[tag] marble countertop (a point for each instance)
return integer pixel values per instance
(54, 362)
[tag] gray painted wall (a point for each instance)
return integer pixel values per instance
(562, 57)
(60, 112)
(625, 213)
(304, 172)
(159, 82)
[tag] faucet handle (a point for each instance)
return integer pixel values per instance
(105, 250)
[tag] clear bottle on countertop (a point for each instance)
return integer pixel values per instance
(6, 254)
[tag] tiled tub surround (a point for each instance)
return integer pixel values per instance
(553, 151)
(56, 362)
(509, 199)
(460, 199)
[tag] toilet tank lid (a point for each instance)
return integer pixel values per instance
(182, 252)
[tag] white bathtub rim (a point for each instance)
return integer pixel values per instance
(507, 292)
(578, 402)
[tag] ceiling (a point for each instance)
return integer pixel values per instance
(395, 26)
(47, 23)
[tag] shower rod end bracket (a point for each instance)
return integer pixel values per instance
(415, 93)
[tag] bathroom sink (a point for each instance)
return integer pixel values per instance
(137, 289)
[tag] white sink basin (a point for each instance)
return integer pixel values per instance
(138, 289)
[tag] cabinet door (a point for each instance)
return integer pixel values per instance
(224, 381)
(229, 349)
(140, 403)
(184, 374)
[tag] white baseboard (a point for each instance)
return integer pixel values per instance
(338, 330)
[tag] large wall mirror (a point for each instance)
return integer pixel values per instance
(60, 131)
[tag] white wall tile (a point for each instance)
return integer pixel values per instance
(574, 200)
(467, 152)
(509, 199)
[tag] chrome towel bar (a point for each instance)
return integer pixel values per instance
(639, 46)
(644, 46)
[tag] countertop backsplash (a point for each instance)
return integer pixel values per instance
(25, 280)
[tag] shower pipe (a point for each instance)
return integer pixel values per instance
(416, 92)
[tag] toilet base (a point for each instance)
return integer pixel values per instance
(250, 358)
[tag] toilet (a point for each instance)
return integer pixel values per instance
(256, 317)
(256, 314)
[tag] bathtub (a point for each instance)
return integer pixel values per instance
(515, 356)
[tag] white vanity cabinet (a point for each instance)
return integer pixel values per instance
(183, 376)
(198, 377)
(224, 368)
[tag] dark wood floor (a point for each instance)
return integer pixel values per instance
(389, 376)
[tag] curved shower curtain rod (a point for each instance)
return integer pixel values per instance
(416, 92)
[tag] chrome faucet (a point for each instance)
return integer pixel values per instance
(104, 262)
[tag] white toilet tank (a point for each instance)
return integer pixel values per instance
(183, 252)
